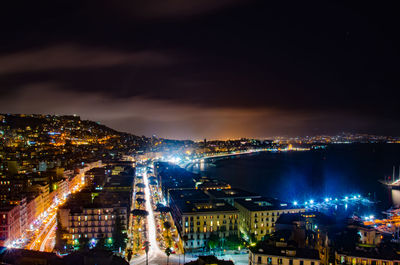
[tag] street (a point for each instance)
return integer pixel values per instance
(157, 255)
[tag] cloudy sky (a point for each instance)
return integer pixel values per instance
(194, 69)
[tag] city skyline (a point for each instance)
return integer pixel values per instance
(199, 70)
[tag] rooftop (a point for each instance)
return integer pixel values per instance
(101, 199)
(232, 194)
(301, 253)
(188, 195)
(120, 181)
(384, 253)
(264, 204)
(195, 201)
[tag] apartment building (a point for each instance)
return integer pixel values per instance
(198, 217)
(10, 223)
(93, 215)
(257, 216)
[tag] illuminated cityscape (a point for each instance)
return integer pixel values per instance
(70, 185)
(181, 132)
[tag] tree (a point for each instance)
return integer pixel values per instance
(163, 210)
(129, 255)
(233, 242)
(140, 201)
(213, 241)
(60, 241)
(167, 226)
(168, 252)
(153, 183)
(83, 243)
(101, 244)
(140, 185)
(139, 214)
(253, 238)
(118, 235)
(185, 238)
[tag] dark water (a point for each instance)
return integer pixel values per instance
(338, 170)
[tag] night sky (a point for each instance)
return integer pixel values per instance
(205, 68)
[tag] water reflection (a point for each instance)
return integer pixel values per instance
(202, 165)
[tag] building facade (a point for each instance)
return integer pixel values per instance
(257, 216)
(197, 218)
(283, 256)
(10, 224)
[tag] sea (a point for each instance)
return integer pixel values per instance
(336, 171)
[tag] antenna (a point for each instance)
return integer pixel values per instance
(394, 172)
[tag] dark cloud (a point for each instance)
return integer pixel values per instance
(157, 9)
(179, 121)
(76, 57)
(289, 67)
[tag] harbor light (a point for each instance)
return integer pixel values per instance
(311, 201)
(295, 203)
(346, 198)
(327, 199)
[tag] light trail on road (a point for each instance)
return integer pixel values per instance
(44, 230)
(151, 225)
(48, 236)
